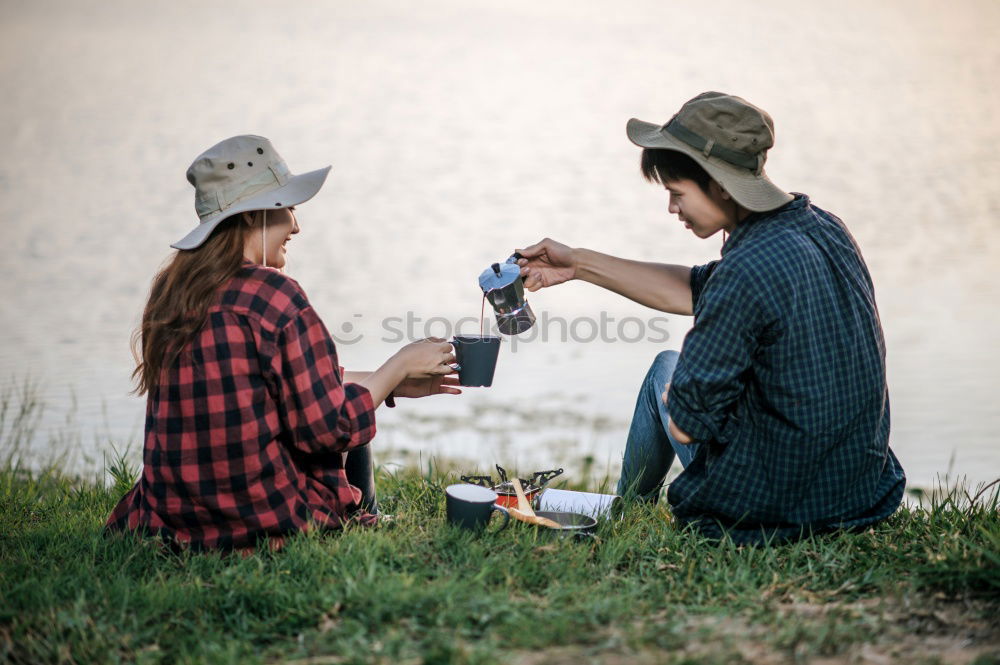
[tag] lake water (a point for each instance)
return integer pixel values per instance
(459, 131)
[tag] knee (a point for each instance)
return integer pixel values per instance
(662, 369)
(664, 364)
(668, 357)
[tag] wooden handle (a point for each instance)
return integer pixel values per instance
(532, 519)
(518, 515)
(545, 521)
(522, 501)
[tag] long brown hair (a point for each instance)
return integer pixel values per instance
(180, 297)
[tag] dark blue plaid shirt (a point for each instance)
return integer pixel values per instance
(782, 382)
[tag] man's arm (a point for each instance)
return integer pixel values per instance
(661, 286)
(682, 437)
(710, 376)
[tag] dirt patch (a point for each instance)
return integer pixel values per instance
(879, 631)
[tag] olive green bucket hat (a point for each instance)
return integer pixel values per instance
(728, 137)
(241, 174)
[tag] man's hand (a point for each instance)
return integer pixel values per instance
(675, 431)
(432, 385)
(546, 263)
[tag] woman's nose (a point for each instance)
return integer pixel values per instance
(295, 224)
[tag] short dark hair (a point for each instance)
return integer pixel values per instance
(659, 165)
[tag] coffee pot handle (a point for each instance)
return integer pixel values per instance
(514, 259)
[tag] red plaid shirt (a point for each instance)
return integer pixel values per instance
(245, 430)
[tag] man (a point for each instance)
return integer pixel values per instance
(777, 403)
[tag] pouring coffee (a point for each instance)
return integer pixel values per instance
(503, 286)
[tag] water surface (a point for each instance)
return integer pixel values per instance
(459, 131)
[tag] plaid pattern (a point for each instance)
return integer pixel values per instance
(782, 380)
(244, 432)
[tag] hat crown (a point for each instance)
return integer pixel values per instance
(233, 170)
(729, 121)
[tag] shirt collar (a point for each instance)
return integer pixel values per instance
(800, 201)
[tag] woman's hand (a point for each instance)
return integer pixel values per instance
(426, 358)
(546, 263)
(432, 385)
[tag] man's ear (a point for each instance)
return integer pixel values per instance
(718, 190)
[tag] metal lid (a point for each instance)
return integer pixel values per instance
(499, 275)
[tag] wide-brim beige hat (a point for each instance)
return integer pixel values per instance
(241, 174)
(728, 137)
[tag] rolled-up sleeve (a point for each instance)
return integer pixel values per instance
(700, 275)
(716, 352)
(321, 412)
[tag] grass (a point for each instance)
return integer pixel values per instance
(419, 591)
(922, 587)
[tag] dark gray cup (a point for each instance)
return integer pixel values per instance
(470, 506)
(476, 357)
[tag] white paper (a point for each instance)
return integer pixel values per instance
(596, 505)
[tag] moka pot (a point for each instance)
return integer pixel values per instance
(504, 288)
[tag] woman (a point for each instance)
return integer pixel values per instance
(253, 430)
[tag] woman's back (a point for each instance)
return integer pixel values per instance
(244, 429)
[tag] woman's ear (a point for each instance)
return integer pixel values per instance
(248, 218)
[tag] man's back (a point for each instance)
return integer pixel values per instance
(783, 377)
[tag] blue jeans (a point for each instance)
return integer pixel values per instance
(650, 449)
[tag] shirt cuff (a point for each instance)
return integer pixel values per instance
(720, 426)
(700, 275)
(359, 411)
(689, 422)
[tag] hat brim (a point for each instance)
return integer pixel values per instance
(298, 189)
(754, 192)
